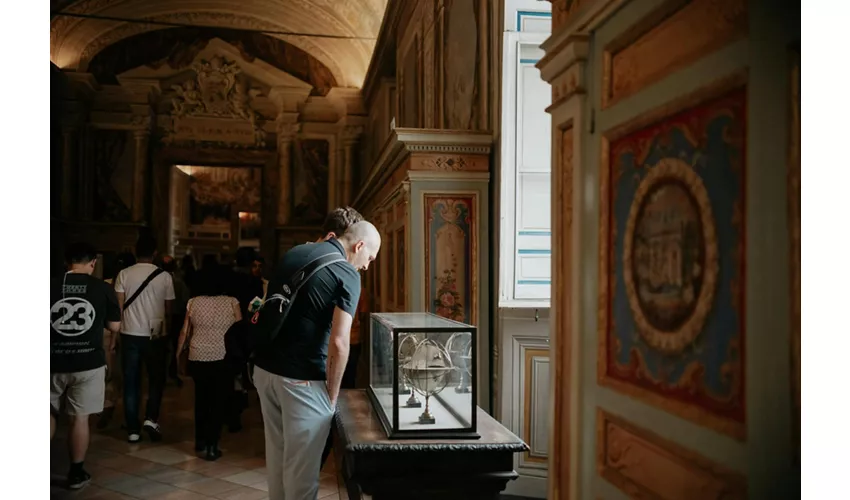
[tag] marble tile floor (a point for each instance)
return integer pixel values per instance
(170, 470)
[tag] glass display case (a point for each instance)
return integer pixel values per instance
(423, 375)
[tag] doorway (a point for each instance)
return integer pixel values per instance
(214, 210)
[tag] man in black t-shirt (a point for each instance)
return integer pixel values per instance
(298, 377)
(81, 307)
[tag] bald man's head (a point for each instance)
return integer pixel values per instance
(361, 241)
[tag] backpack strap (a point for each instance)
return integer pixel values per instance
(296, 281)
(141, 288)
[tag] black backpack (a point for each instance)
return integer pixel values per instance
(246, 337)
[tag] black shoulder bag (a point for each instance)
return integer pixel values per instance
(269, 320)
(142, 287)
(246, 337)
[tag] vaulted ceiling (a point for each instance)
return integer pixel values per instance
(324, 42)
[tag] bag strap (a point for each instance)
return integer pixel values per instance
(307, 272)
(297, 280)
(142, 287)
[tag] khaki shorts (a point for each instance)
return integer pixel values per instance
(83, 391)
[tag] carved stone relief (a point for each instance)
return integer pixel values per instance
(215, 106)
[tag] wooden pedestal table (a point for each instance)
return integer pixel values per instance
(376, 467)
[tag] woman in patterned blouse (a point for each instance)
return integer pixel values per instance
(208, 316)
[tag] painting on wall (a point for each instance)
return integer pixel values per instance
(400, 256)
(451, 256)
(112, 160)
(671, 311)
(310, 181)
(216, 192)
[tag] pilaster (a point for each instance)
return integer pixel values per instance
(350, 137)
(565, 68)
(287, 129)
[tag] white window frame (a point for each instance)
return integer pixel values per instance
(511, 122)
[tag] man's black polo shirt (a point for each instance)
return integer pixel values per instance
(300, 351)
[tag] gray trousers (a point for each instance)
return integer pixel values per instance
(297, 416)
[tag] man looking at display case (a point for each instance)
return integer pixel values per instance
(298, 376)
(336, 223)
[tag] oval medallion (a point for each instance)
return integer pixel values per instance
(670, 261)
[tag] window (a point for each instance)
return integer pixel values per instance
(526, 255)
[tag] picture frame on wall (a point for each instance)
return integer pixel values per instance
(451, 255)
(672, 232)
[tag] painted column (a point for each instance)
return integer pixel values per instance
(285, 135)
(350, 136)
(140, 173)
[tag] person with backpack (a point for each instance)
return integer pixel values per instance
(145, 293)
(301, 343)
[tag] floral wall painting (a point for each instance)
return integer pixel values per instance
(671, 312)
(310, 181)
(215, 193)
(450, 232)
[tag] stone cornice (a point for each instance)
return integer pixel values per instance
(406, 141)
(561, 56)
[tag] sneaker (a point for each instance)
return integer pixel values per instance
(212, 453)
(78, 480)
(134, 437)
(152, 429)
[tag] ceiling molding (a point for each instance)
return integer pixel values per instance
(74, 42)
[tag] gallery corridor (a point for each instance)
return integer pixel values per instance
(169, 470)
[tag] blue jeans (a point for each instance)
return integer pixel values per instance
(135, 351)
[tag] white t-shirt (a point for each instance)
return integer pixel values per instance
(146, 314)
